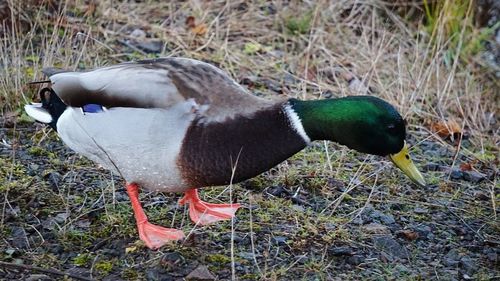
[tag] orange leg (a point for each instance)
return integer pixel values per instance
(204, 213)
(153, 235)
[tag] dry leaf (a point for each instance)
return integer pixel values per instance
(190, 22)
(409, 234)
(446, 129)
(465, 167)
(200, 29)
(90, 8)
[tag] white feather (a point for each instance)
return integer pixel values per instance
(36, 111)
(296, 123)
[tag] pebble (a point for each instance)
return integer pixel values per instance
(456, 174)
(375, 228)
(452, 258)
(280, 240)
(387, 244)
(18, 237)
(356, 259)
(468, 265)
(473, 176)
(341, 251)
(385, 219)
(200, 273)
(37, 277)
(420, 211)
(431, 167)
(424, 231)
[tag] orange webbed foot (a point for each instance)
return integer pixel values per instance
(154, 236)
(204, 213)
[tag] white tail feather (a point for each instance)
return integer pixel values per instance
(36, 111)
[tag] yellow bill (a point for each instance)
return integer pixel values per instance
(403, 161)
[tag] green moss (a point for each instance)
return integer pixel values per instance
(82, 259)
(130, 274)
(218, 259)
(298, 25)
(104, 267)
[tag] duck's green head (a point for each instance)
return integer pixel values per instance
(364, 123)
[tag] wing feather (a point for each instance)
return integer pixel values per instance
(158, 83)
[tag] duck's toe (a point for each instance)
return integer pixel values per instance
(155, 236)
(205, 213)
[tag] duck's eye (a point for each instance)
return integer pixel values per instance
(45, 95)
(391, 127)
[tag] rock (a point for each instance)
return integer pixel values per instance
(473, 176)
(431, 167)
(385, 219)
(337, 184)
(456, 174)
(452, 258)
(53, 178)
(19, 239)
(37, 277)
(149, 46)
(375, 228)
(277, 191)
(138, 33)
(341, 251)
(355, 260)
(280, 240)
(420, 211)
(481, 195)
(61, 218)
(201, 273)
(468, 265)
(387, 244)
(424, 231)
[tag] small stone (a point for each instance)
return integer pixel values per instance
(431, 167)
(387, 244)
(358, 221)
(452, 258)
(492, 257)
(138, 33)
(277, 191)
(387, 219)
(423, 231)
(468, 265)
(38, 277)
(149, 46)
(337, 184)
(473, 176)
(420, 211)
(355, 260)
(201, 273)
(375, 228)
(61, 217)
(480, 195)
(456, 174)
(19, 239)
(280, 240)
(341, 251)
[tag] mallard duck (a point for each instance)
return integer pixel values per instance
(178, 124)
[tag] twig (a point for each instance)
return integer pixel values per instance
(45, 270)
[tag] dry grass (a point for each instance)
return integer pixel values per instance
(333, 40)
(306, 50)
